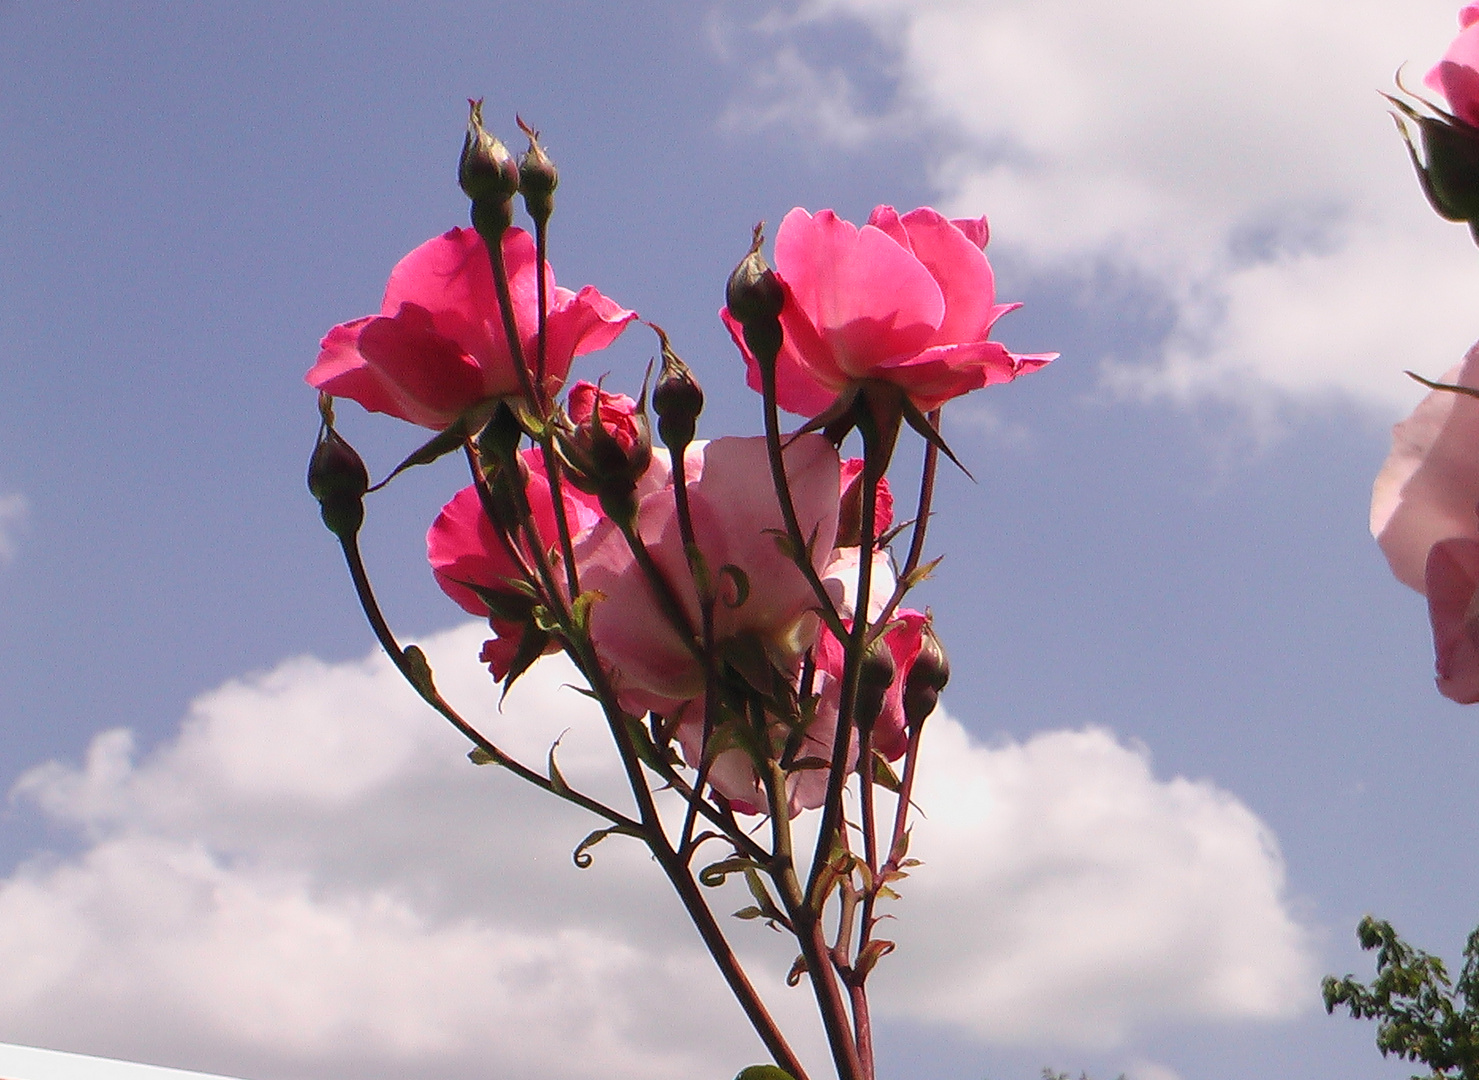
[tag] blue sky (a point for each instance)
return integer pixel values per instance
(1166, 542)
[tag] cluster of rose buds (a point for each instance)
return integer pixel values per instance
(734, 604)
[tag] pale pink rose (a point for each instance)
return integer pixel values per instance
(1453, 602)
(906, 299)
(438, 348)
(735, 514)
(1423, 513)
(1456, 76)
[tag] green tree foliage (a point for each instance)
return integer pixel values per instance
(1420, 1014)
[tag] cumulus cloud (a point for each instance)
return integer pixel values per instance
(14, 510)
(1234, 155)
(310, 879)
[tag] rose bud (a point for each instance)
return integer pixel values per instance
(609, 447)
(538, 177)
(677, 399)
(927, 677)
(876, 674)
(338, 479)
(754, 297)
(488, 174)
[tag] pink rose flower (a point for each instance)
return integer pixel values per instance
(438, 349)
(467, 555)
(908, 300)
(1456, 76)
(735, 514)
(1423, 514)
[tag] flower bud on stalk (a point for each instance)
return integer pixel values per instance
(608, 449)
(875, 675)
(754, 296)
(538, 178)
(677, 399)
(337, 478)
(489, 176)
(927, 677)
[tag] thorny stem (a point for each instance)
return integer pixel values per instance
(921, 520)
(806, 924)
(428, 693)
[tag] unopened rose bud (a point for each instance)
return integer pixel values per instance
(876, 674)
(338, 479)
(488, 174)
(753, 294)
(1448, 168)
(927, 677)
(538, 177)
(609, 447)
(677, 399)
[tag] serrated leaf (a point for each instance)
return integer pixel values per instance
(920, 573)
(478, 756)
(884, 775)
(580, 610)
(418, 670)
(900, 849)
(873, 952)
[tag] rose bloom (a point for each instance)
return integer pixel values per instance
(1423, 513)
(1456, 76)
(906, 299)
(465, 550)
(438, 348)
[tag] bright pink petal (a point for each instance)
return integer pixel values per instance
(960, 267)
(799, 389)
(342, 371)
(1452, 579)
(975, 230)
(463, 548)
(869, 299)
(429, 374)
(584, 322)
(1427, 489)
(1456, 76)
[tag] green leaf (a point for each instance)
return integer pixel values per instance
(764, 1072)
(714, 874)
(582, 856)
(478, 756)
(741, 585)
(418, 671)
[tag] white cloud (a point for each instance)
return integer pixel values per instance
(309, 879)
(1237, 155)
(14, 510)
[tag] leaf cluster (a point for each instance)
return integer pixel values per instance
(1421, 1015)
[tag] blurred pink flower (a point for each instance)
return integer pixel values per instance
(1456, 76)
(438, 348)
(906, 299)
(1423, 514)
(735, 516)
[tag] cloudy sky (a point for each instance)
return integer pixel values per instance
(1192, 735)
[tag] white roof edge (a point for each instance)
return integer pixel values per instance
(33, 1063)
